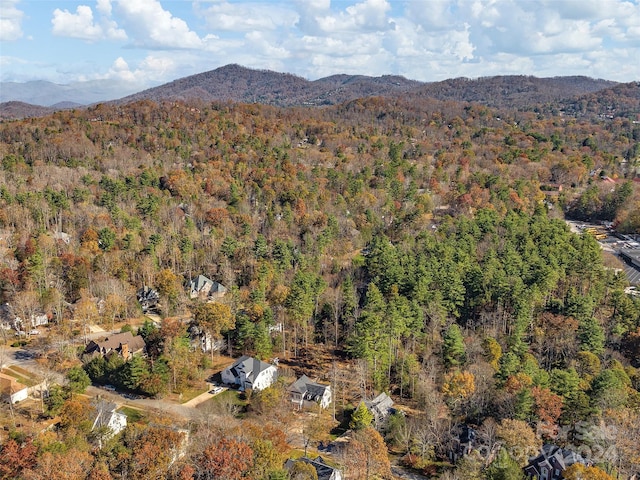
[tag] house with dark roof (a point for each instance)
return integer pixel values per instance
(250, 373)
(206, 289)
(305, 393)
(324, 471)
(551, 462)
(464, 442)
(381, 407)
(124, 344)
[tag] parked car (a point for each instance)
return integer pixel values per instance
(34, 332)
(111, 388)
(215, 390)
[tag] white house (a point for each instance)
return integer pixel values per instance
(106, 415)
(305, 393)
(12, 390)
(250, 373)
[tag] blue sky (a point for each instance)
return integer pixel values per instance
(141, 43)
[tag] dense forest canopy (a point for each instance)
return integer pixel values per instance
(421, 243)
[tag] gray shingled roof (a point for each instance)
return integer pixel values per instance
(310, 391)
(251, 366)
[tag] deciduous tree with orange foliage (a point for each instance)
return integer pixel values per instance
(227, 458)
(16, 457)
(365, 456)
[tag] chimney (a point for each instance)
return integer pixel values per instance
(124, 351)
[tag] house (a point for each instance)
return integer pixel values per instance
(107, 415)
(11, 390)
(148, 299)
(250, 373)
(124, 344)
(466, 440)
(206, 289)
(200, 339)
(62, 237)
(381, 407)
(39, 320)
(305, 393)
(551, 462)
(35, 321)
(324, 471)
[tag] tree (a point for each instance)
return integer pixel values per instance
(55, 400)
(361, 417)
(16, 457)
(106, 239)
(214, 318)
(578, 471)
(365, 456)
(75, 413)
(453, 351)
(591, 335)
(86, 311)
(370, 338)
(100, 471)
(154, 449)
(77, 379)
(519, 439)
(492, 351)
(168, 286)
(548, 405)
(303, 471)
(226, 458)
(458, 385)
(504, 467)
(301, 301)
(133, 373)
(609, 388)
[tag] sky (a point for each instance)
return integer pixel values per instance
(143, 43)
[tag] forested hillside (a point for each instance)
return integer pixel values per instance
(412, 246)
(240, 84)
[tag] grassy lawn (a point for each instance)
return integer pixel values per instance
(191, 392)
(133, 414)
(223, 401)
(21, 375)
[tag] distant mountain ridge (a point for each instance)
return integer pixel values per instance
(239, 84)
(12, 110)
(49, 94)
(574, 95)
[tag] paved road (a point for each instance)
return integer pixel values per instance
(172, 408)
(26, 360)
(400, 472)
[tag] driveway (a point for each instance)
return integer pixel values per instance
(203, 397)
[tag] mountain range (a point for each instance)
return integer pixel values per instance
(235, 83)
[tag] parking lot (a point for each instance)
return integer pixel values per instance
(633, 274)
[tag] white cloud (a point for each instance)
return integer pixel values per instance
(81, 24)
(367, 16)
(152, 26)
(10, 20)
(247, 16)
(420, 39)
(104, 7)
(153, 69)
